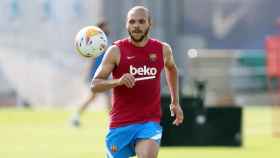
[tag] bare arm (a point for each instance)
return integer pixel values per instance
(171, 72)
(110, 60)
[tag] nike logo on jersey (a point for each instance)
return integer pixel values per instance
(130, 57)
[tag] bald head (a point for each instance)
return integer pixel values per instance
(140, 10)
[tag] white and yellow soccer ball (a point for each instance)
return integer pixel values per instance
(91, 42)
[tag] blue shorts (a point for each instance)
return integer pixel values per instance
(120, 142)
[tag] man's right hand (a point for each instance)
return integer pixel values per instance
(128, 80)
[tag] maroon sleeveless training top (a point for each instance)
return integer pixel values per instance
(142, 102)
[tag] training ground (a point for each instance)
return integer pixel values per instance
(47, 134)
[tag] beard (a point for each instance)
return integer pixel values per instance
(141, 38)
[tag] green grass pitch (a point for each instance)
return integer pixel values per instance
(47, 134)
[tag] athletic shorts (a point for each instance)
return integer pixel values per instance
(120, 141)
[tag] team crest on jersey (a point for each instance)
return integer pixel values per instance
(114, 148)
(153, 57)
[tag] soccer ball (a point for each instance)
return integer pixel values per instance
(91, 42)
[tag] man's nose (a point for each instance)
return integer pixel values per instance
(136, 24)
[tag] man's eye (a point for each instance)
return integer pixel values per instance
(142, 21)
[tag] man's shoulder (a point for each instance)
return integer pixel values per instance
(164, 44)
(120, 41)
(156, 40)
(113, 48)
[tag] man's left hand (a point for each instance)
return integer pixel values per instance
(177, 111)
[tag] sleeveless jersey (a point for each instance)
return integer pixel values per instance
(142, 102)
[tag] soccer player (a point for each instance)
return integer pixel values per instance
(136, 63)
(272, 47)
(76, 118)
